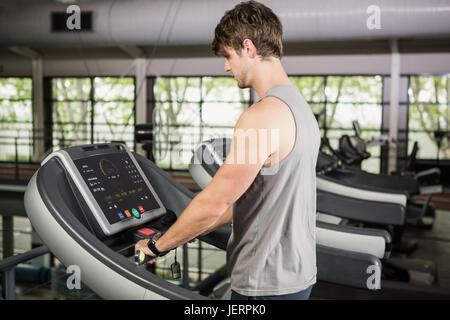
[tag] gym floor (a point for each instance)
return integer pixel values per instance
(434, 245)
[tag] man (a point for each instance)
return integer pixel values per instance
(266, 185)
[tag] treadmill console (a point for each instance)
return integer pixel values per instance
(112, 185)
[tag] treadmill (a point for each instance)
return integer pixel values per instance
(394, 188)
(90, 204)
(343, 181)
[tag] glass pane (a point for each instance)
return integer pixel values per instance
(71, 112)
(114, 88)
(181, 156)
(215, 132)
(65, 89)
(179, 113)
(176, 132)
(12, 133)
(223, 89)
(427, 145)
(114, 121)
(15, 119)
(70, 134)
(428, 116)
(371, 165)
(317, 109)
(177, 89)
(222, 114)
(71, 123)
(341, 115)
(16, 129)
(15, 88)
(374, 151)
(429, 112)
(429, 89)
(15, 111)
(180, 143)
(354, 89)
(312, 88)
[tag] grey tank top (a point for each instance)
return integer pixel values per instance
(272, 248)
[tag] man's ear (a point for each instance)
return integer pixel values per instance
(249, 48)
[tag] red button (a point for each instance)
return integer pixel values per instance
(146, 231)
(141, 209)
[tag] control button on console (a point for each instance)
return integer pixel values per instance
(146, 231)
(135, 213)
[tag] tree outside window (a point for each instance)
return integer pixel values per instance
(16, 127)
(189, 110)
(429, 111)
(93, 110)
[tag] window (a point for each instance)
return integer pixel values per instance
(429, 112)
(188, 110)
(114, 100)
(93, 110)
(72, 108)
(16, 126)
(344, 99)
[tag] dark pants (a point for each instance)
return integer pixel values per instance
(301, 295)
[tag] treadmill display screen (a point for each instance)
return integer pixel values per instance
(117, 186)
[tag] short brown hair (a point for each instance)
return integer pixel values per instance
(249, 20)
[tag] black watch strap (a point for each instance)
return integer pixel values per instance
(151, 245)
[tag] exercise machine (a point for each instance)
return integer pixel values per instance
(90, 204)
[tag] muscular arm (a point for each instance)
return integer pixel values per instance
(211, 208)
(224, 220)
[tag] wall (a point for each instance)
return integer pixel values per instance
(428, 63)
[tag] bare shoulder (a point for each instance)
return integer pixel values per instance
(273, 109)
(269, 112)
(268, 104)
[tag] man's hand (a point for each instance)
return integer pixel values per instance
(142, 245)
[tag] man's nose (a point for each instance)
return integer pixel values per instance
(227, 66)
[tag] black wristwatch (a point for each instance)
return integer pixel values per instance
(151, 245)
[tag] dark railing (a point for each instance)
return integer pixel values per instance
(7, 268)
(171, 143)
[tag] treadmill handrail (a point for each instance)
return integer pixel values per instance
(11, 262)
(330, 185)
(360, 209)
(345, 267)
(363, 240)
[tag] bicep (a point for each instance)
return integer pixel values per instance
(246, 158)
(231, 181)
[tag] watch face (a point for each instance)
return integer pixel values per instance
(152, 245)
(154, 237)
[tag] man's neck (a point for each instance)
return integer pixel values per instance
(269, 75)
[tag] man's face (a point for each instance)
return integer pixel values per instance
(237, 66)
